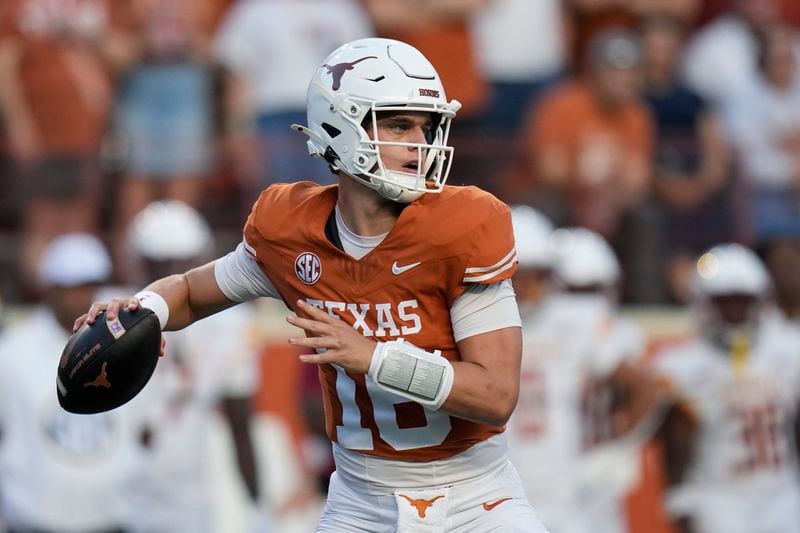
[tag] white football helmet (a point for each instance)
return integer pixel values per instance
(74, 259)
(532, 232)
(355, 82)
(584, 259)
(169, 230)
(731, 269)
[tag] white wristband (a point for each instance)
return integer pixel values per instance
(403, 369)
(156, 303)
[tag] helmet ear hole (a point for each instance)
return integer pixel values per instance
(332, 131)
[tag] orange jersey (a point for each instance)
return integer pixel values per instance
(404, 288)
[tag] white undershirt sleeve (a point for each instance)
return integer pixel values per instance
(484, 308)
(240, 278)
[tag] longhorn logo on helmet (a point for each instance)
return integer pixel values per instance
(337, 71)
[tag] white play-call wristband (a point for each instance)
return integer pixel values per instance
(156, 303)
(411, 372)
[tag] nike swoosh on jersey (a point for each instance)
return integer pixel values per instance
(397, 270)
(491, 505)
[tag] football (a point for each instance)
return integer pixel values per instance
(106, 364)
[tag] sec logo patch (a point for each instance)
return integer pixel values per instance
(308, 268)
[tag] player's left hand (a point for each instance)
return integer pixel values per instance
(343, 345)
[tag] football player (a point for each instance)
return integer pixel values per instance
(581, 391)
(400, 287)
(533, 278)
(206, 368)
(60, 471)
(729, 444)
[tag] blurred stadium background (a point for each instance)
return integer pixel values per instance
(667, 126)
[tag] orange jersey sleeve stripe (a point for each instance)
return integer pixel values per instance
(475, 270)
(485, 274)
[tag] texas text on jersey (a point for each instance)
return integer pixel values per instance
(404, 288)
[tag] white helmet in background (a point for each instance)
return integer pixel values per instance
(731, 269)
(584, 259)
(169, 230)
(730, 286)
(532, 232)
(364, 77)
(74, 259)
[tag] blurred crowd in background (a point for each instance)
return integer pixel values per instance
(664, 126)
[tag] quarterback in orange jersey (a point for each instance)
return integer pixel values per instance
(402, 288)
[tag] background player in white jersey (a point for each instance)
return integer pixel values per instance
(401, 285)
(580, 388)
(59, 471)
(207, 369)
(729, 441)
(533, 238)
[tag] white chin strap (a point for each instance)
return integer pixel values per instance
(397, 194)
(397, 191)
(390, 191)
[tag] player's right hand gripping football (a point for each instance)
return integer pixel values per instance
(112, 308)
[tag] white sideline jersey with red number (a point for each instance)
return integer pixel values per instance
(404, 288)
(745, 469)
(571, 345)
